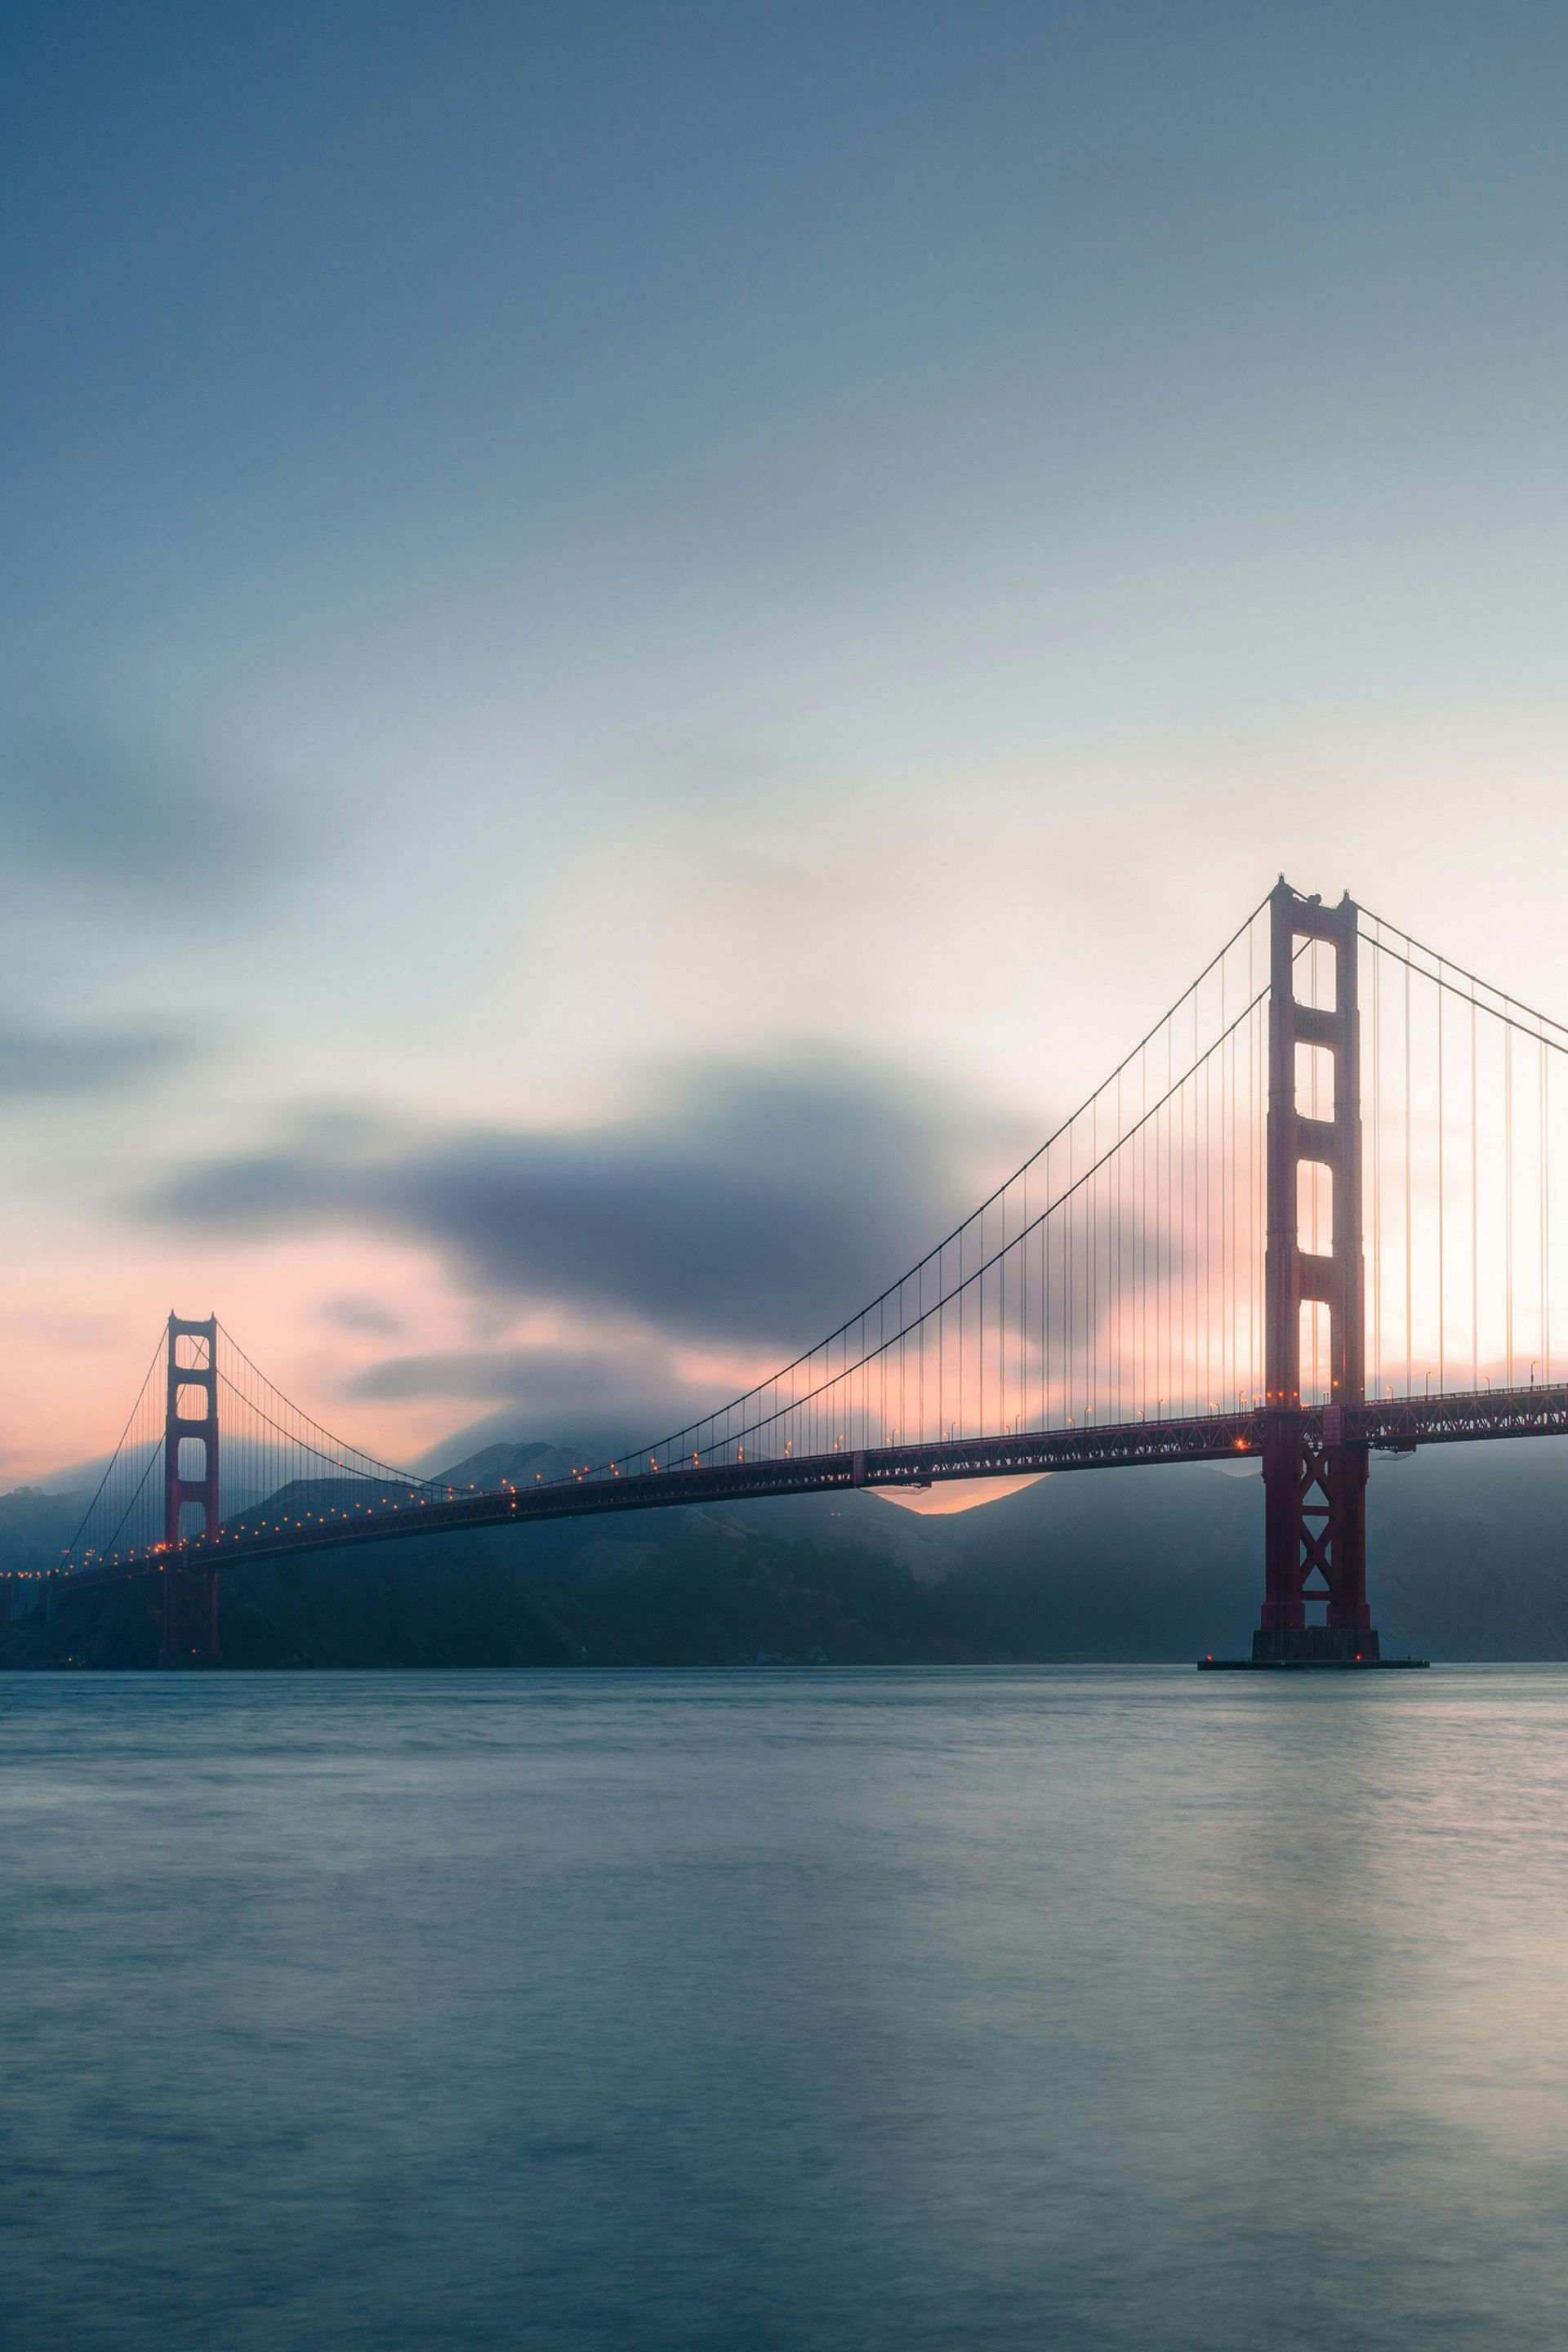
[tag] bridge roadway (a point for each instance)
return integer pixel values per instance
(1395, 1424)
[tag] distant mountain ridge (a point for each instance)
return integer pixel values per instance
(518, 1464)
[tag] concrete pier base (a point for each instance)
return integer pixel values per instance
(1316, 1645)
(1304, 1665)
(1281, 1650)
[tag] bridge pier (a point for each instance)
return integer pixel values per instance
(1314, 1525)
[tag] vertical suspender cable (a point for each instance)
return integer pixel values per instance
(1376, 1173)
(1508, 1199)
(1474, 1221)
(1442, 1217)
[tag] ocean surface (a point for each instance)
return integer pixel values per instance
(1070, 2008)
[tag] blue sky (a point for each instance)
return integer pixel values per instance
(580, 575)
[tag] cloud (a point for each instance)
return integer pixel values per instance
(134, 818)
(598, 1396)
(363, 1314)
(750, 1204)
(481, 1375)
(40, 1061)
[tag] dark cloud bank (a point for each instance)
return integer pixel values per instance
(139, 819)
(746, 1206)
(36, 1061)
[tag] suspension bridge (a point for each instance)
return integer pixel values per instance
(1307, 1219)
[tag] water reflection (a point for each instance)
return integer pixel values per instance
(1098, 2008)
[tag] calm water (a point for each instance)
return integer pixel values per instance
(915, 2009)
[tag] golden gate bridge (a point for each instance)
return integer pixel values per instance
(1307, 1218)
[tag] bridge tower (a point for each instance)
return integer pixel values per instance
(190, 1420)
(1314, 1488)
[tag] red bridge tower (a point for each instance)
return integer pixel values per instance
(190, 1422)
(1315, 1489)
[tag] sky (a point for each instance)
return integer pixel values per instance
(638, 640)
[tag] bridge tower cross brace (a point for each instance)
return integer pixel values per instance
(189, 1587)
(1314, 1488)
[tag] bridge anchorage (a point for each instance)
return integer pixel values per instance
(1307, 1220)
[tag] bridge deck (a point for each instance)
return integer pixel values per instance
(1534, 1412)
